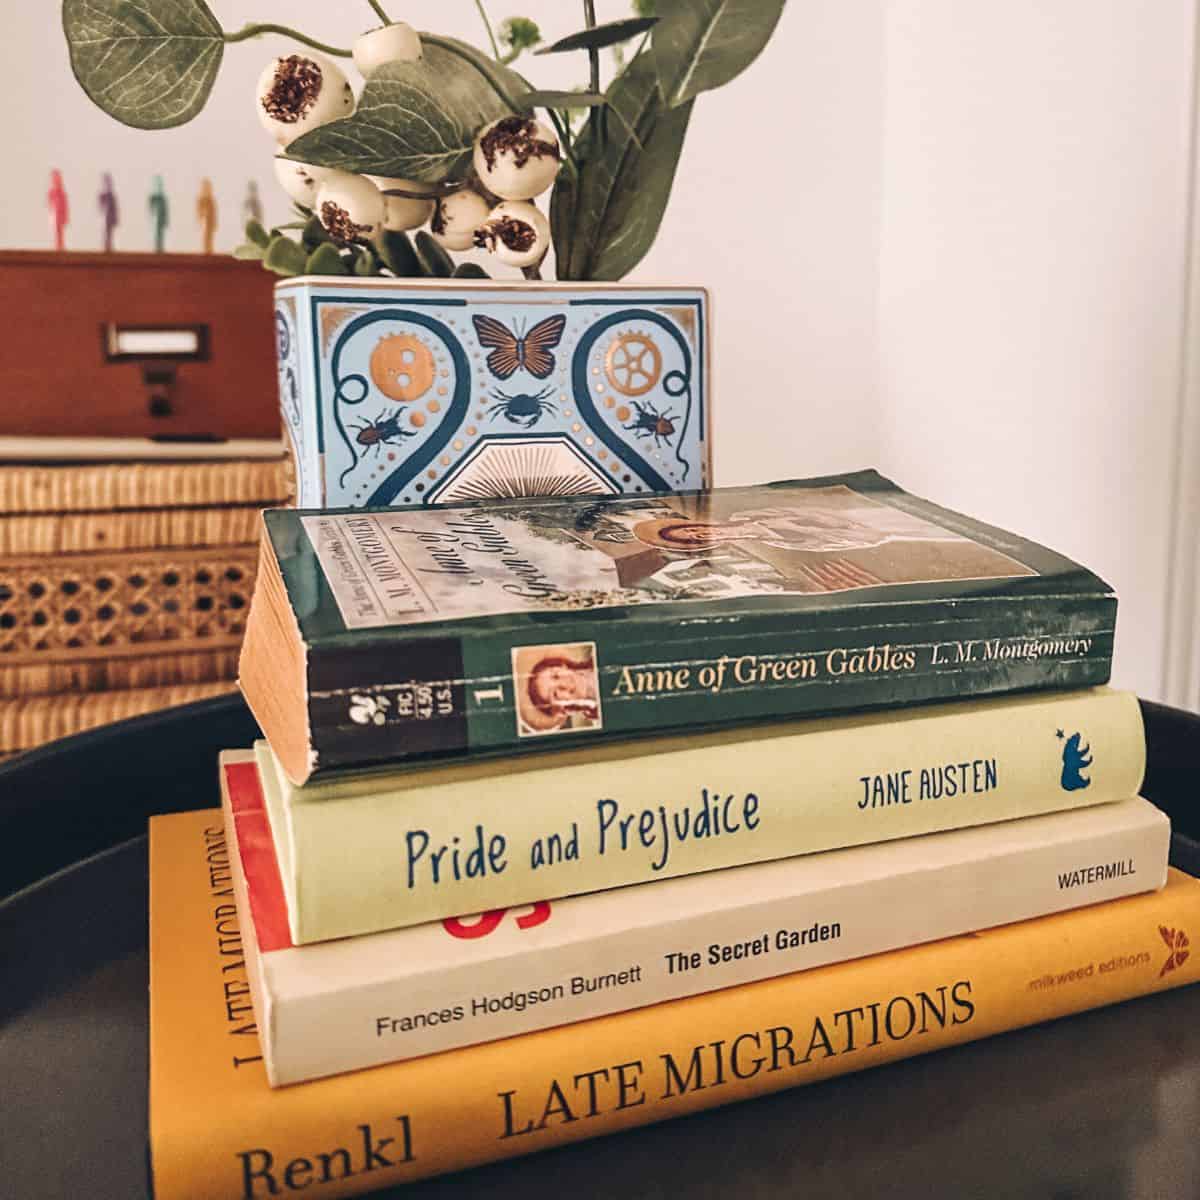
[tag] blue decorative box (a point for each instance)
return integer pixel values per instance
(440, 391)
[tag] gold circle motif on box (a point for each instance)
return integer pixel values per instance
(402, 367)
(633, 363)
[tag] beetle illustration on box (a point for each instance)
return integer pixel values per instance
(400, 393)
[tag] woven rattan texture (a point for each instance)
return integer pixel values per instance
(105, 487)
(152, 670)
(25, 724)
(100, 605)
(88, 532)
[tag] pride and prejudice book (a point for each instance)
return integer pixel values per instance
(358, 1002)
(421, 843)
(382, 636)
(218, 1131)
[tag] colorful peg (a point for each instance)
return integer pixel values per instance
(252, 204)
(160, 213)
(206, 214)
(60, 212)
(109, 213)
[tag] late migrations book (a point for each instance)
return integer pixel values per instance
(372, 852)
(378, 636)
(358, 1002)
(218, 1130)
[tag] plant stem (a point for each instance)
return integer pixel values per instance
(488, 26)
(563, 127)
(438, 191)
(379, 10)
(589, 18)
(564, 138)
(480, 63)
(253, 31)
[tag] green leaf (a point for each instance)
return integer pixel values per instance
(314, 234)
(604, 224)
(519, 33)
(599, 36)
(365, 262)
(398, 254)
(285, 257)
(563, 201)
(565, 99)
(256, 234)
(325, 260)
(415, 120)
(470, 270)
(433, 259)
(508, 85)
(703, 44)
(248, 251)
(148, 64)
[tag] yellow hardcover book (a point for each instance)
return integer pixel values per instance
(218, 1130)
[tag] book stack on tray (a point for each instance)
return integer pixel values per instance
(578, 814)
(124, 587)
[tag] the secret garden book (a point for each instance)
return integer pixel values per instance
(378, 636)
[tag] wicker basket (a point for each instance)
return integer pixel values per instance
(155, 670)
(25, 724)
(124, 587)
(105, 487)
(109, 605)
(88, 532)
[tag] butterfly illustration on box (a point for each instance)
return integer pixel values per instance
(513, 351)
(428, 396)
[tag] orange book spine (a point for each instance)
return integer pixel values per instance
(217, 1129)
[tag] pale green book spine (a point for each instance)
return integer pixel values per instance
(384, 851)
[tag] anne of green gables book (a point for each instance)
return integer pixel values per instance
(383, 636)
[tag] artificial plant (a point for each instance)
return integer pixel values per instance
(442, 134)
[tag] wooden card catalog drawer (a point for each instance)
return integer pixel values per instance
(164, 346)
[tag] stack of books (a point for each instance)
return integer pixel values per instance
(124, 587)
(578, 814)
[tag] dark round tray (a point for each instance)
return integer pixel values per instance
(1105, 1104)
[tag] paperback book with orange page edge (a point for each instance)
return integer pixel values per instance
(381, 636)
(217, 1129)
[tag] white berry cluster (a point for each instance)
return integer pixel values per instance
(516, 159)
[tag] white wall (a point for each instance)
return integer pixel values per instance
(946, 237)
(1034, 235)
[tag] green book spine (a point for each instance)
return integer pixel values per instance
(530, 624)
(381, 851)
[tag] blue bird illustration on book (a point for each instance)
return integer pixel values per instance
(1075, 758)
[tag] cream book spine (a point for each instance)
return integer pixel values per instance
(419, 844)
(384, 997)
